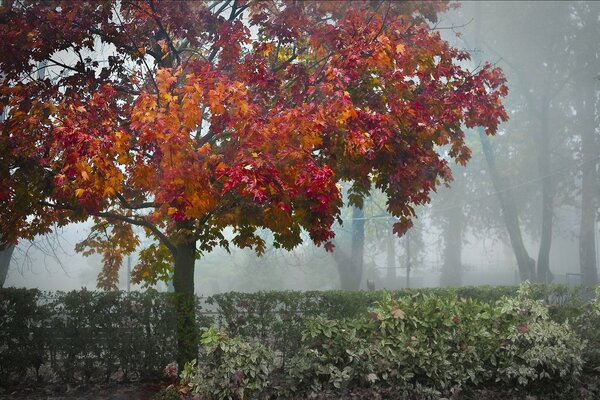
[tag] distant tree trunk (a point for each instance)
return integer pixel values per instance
(543, 158)
(5, 257)
(391, 259)
(350, 264)
(452, 233)
(185, 301)
(589, 187)
(509, 212)
(525, 263)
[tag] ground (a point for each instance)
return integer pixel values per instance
(589, 389)
(114, 391)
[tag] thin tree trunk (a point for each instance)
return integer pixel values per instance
(350, 264)
(391, 258)
(5, 257)
(525, 263)
(589, 187)
(358, 244)
(185, 301)
(453, 230)
(543, 262)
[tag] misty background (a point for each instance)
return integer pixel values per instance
(536, 180)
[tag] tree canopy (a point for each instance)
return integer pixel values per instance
(185, 118)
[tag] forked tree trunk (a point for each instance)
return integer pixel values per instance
(543, 158)
(509, 212)
(185, 302)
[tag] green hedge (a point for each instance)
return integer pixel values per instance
(98, 336)
(85, 335)
(277, 318)
(424, 345)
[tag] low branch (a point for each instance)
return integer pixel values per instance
(147, 204)
(138, 221)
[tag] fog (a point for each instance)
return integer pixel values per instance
(549, 52)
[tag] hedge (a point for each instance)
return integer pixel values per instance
(84, 335)
(99, 336)
(409, 346)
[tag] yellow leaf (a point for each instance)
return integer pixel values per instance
(79, 192)
(85, 176)
(171, 211)
(400, 48)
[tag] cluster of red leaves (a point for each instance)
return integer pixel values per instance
(239, 113)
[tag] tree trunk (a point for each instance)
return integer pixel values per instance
(185, 302)
(509, 212)
(350, 264)
(453, 229)
(391, 259)
(589, 186)
(525, 263)
(358, 244)
(543, 157)
(5, 257)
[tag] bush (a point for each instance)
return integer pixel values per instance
(535, 348)
(229, 368)
(587, 325)
(433, 345)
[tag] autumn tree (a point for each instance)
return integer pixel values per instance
(185, 118)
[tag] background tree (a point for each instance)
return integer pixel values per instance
(233, 113)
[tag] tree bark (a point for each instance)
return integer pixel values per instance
(525, 263)
(589, 187)
(185, 302)
(391, 258)
(543, 158)
(453, 230)
(5, 257)
(350, 264)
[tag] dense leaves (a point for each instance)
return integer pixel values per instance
(185, 118)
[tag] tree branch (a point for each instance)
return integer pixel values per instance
(129, 206)
(138, 221)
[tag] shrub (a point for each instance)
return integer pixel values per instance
(229, 368)
(436, 344)
(535, 348)
(587, 325)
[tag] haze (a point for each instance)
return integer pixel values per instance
(544, 157)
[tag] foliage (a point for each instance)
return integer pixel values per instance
(230, 368)
(226, 114)
(21, 333)
(85, 335)
(277, 318)
(434, 345)
(534, 347)
(587, 325)
(289, 343)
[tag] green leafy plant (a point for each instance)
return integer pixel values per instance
(535, 348)
(229, 368)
